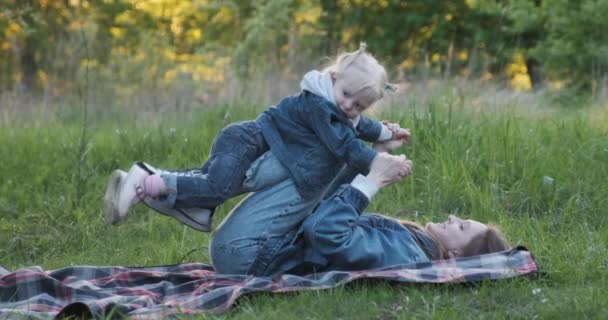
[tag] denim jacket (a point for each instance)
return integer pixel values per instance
(337, 236)
(313, 139)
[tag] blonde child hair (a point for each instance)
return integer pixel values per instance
(362, 72)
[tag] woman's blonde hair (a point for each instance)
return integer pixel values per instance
(492, 240)
(366, 76)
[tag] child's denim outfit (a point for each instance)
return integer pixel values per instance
(314, 140)
(307, 134)
(221, 176)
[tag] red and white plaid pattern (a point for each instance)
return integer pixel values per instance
(174, 291)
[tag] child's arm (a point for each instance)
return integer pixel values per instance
(340, 140)
(370, 130)
(375, 131)
(397, 132)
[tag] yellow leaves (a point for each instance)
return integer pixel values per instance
(17, 76)
(521, 82)
(169, 76)
(13, 29)
(176, 25)
(426, 31)
(407, 64)
(117, 32)
(558, 84)
(309, 15)
(449, 17)
(435, 57)
(207, 68)
(194, 35)
(43, 77)
(463, 55)
(223, 16)
(518, 73)
(470, 3)
(347, 36)
(89, 63)
(166, 8)
(5, 46)
(125, 18)
(169, 53)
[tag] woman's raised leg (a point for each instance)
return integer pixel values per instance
(247, 240)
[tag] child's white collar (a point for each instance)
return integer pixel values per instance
(320, 83)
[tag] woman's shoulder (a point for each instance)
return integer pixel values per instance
(382, 221)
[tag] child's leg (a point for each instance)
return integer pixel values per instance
(232, 153)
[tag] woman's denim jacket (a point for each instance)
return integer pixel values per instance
(313, 139)
(337, 236)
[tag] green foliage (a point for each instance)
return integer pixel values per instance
(575, 46)
(42, 43)
(266, 31)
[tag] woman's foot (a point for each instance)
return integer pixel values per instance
(387, 169)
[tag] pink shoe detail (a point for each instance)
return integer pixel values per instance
(154, 186)
(131, 190)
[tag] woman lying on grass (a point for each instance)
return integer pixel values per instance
(264, 236)
(274, 230)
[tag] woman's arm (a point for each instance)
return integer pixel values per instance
(333, 231)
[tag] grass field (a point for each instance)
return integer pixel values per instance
(541, 175)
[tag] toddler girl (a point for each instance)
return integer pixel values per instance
(312, 134)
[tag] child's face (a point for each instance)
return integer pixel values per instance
(351, 103)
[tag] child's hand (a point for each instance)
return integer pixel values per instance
(398, 132)
(387, 146)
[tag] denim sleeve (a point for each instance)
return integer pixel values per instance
(341, 140)
(369, 130)
(332, 230)
(345, 176)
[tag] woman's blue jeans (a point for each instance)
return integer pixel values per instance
(250, 236)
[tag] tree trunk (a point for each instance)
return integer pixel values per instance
(534, 73)
(29, 66)
(448, 64)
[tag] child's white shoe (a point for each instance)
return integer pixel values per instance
(110, 199)
(131, 190)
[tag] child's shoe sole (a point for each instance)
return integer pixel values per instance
(110, 199)
(199, 219)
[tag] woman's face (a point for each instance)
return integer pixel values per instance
(454, 234)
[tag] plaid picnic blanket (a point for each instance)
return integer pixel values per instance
(185, 289)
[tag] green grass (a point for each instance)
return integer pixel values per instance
(489, 166)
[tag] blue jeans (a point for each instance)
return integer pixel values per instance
(248, 239)
(221, 176)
